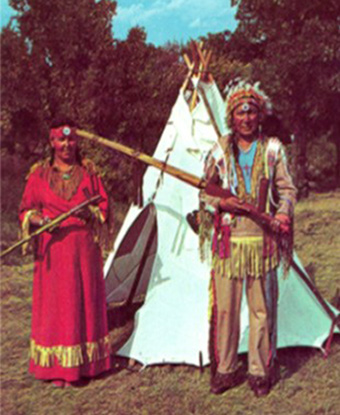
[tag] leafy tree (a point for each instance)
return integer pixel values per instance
(72, 65)
(224, 63)
(72, 43)
(141, 88)
(298, 61)
(59, 49)
(21, 102)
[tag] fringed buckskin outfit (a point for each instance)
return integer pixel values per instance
(241, 252)
(69, 336)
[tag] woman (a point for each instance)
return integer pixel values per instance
(69, 336)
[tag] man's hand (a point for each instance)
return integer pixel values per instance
(231, 204)
(281, 223)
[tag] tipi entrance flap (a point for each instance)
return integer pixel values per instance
(132, 264)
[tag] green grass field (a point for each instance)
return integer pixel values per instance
(309, 383)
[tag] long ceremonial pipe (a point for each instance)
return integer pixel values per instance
(173, 171)
(54, 222)
(247, 209)
(244, 209)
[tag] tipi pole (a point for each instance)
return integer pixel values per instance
(191, 67)
(211, 115)
(204, 62)
(194, 95)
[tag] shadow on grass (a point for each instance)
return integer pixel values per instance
(292, 359)
(121, 321)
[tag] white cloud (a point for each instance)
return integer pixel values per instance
(196, 23)
(129, 13)
(182, 18)
(139, 12)
(188, 10)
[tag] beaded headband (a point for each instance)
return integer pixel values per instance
(60, 132)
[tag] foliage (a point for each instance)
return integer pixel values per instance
(13, 170)
(321, 155)
(20, 109)
(61, 58)
(224, 66)
(297, 59)
(141, 88)
(72, 66)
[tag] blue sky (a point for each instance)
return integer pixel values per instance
(165, 20)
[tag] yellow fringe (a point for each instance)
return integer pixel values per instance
(70, 356)
(211, 299)
(96, 212)
(25, 228)
(206, 224)
(246, 259)
(35, 166)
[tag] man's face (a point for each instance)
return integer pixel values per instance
(245, 120)
(65, 148)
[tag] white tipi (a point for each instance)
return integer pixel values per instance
(156, 252)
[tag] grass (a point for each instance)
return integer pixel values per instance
(308, 385)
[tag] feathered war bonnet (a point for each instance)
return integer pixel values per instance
(239, 92)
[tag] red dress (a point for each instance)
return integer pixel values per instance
(69, 336)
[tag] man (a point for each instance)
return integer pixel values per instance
(254, 168)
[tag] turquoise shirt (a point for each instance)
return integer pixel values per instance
(246, 160)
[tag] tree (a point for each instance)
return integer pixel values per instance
(224, 64)
(141, 88)
(59, 49)
(298, 62)
(20, 101)
(73, 66)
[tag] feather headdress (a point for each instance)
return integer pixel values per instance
(239, 91)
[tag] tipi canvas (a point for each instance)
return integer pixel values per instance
(157, 253)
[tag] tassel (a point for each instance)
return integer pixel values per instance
(25, 229)
(245, 259)
(70, 356)
(206, 224)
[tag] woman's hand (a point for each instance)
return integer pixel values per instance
(37, 219)
(84, 214)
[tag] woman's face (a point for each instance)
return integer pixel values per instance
(65, 148)
(246, 120)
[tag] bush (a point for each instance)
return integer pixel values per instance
(321, 165)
